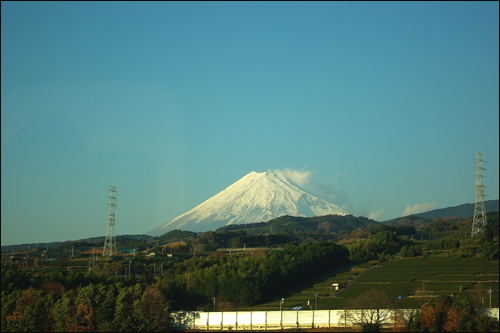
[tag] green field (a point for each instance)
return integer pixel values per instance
(400, 277)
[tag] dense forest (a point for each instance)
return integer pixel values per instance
(69, 301)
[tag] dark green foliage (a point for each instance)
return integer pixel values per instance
(446, 243)
(446, 225)
(176, 235)
(328, 223)
(258, 241)
(14, 278)
(378, 245)
(243, 277)
(371, 327)
(243, 226)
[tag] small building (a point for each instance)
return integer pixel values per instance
(335, 286)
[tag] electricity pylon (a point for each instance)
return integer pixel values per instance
(479, 219)
(110, 242)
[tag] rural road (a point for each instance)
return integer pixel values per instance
(350, 282)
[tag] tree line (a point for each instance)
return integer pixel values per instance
(94, 301)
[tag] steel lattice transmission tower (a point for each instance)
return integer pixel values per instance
(110, 242)
(479, 219)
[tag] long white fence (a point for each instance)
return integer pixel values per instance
(263, 320)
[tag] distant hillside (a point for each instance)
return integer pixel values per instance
(54, 245)
(412, 220)
(457, 213)
(465, 210)
(327, 223)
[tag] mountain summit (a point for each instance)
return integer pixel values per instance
(257, 197)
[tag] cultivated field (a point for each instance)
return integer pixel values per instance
(408, 278)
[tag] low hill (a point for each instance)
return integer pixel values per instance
(462, 211)
(465, 210)
(55, 245)
(457, 216)
(321, 224)
(412, 220)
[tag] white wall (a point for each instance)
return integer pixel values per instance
(261, 320)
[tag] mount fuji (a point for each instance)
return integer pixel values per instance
(257, 197)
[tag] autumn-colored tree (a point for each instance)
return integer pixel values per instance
(432, 316)
(150, 311)
(50, 323)
(51, 286)
(443, 315)
(83, 321)
(452, 319)
(28, 297)
(30, 313)
(400, 322)
(9, 301)
(360, 233)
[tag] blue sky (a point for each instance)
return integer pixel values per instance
(378, 107)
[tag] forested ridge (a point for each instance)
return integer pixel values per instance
(61, 301)
(136, 292)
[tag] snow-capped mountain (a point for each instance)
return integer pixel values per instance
(257, 197)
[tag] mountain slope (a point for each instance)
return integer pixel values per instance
(465, 210)
(257, 197)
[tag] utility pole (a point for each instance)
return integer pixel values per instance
(110, 242)
(281, 310)
(479, 220)
(489, 292)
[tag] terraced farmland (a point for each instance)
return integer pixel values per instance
(438, 276)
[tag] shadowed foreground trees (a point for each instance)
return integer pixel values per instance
(72, 301)
(442, 314)
(445, 314)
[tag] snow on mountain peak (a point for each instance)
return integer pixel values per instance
(257, 197)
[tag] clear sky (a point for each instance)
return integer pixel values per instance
(378, 107)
